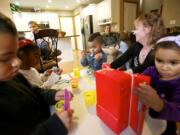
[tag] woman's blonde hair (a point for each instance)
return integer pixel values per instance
(156, 23)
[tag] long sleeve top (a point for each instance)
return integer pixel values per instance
(133, 54)
(94, 64)
(169, 92)
(111, 39)
(24, 109)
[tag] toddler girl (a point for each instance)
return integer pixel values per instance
(163, 96)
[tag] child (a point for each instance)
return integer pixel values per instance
(33, 26)
(29, 54)
(46, 52)
(163, 96)
(149, 28)
(96, 57)
(24, 109)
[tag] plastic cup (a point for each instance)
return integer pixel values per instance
(76, 72)
(74, 83)
(89, 98)
(59, 106)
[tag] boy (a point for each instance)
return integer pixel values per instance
(95, 57)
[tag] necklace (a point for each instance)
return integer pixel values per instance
(144, 52)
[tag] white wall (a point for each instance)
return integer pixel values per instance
(171, 13)
(78, 32)
(148, 5)
(21, 19)
(91, 10)
(5, 8)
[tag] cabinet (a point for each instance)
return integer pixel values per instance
(108, 12)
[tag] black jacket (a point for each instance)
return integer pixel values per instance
(133, 54)
(24, 109)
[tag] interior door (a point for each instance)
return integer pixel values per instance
(130, 14)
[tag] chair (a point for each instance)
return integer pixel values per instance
(50, 38)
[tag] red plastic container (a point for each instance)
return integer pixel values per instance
(117, 106)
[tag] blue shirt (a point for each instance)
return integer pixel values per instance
(94, 64)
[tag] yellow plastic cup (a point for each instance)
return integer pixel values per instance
(76, 72)
(59, 106)
(74, 83)
(89, 97)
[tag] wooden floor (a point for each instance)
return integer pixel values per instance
(67, 67)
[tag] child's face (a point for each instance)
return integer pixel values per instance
(94, 47)
(167, 62)
(33, 58)
(141, 32)
(33, 27)
(9, 62)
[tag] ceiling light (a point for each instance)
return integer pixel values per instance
(66, 6)
(49, 1)
(17, 3)
(78, 1)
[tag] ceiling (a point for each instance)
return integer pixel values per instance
(53, 4)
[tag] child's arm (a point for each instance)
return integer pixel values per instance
(84, 59)
(47, 95)
(59, 123)
(99, 59)
(160, 108)
(149, 97)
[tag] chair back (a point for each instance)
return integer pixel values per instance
(50, 38)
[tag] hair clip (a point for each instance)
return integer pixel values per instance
(25, 42)
(175, 39)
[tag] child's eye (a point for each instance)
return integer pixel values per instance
(158, 60)
(4, 60)
(174, 62)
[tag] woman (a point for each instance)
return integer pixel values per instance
(148, 29)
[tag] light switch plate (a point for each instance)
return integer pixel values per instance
(172, 21)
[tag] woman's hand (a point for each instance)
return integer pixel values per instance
(129, 71)
(149, 97)
(66, 117)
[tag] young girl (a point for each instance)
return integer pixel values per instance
(29, 54)
(24, 109)
(163, 96)
(96, 57)
(149, 27)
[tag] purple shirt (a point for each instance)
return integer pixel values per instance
(169, 91)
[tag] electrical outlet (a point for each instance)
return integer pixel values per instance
(172, 21)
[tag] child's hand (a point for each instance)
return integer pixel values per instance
(83, 54)
(58, 71)
(98, 56)
(66, 117)
(48, 72)
(60, 95)
(116, 47)
(149, 97)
